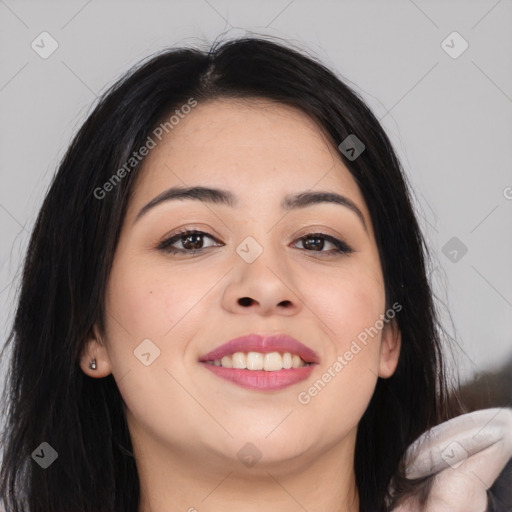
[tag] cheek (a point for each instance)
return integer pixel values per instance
(336, 401)
(350, 305)
(143, 312)
(149, 300)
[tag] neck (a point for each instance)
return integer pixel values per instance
(170, 480)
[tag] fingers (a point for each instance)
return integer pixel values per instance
(464, 456)
(469, 437)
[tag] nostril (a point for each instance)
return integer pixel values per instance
(245, 301)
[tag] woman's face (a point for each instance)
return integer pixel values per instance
(252, 270)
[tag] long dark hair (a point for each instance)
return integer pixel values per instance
(48, 396)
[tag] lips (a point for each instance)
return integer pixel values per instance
(262, 380)
(264, 344)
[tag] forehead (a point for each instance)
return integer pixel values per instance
(256, 147)
(247, 127)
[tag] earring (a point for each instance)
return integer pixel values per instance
(92, 364)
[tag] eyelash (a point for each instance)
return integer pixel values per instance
(166, 245)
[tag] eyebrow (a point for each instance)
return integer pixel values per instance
(226, 198)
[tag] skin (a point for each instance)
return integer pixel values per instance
(187, 424)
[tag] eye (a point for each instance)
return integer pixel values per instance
(315, 242)
(192, 241)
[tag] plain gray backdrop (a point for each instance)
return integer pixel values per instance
(446, 107)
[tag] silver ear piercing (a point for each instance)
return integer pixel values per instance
(92, 364)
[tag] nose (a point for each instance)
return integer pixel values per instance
(265, 287)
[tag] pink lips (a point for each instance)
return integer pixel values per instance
(261, 379)
(264, 344)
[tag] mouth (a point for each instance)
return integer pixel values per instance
(262, 362)
(253, 361)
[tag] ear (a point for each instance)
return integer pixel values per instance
(95, 349)
(389, 349)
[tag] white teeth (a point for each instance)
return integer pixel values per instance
(273, 361)
(255, 361)
(239, 360)
(296, 361)
(270, 362)
(226, 362)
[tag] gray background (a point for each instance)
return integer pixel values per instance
(450, 119)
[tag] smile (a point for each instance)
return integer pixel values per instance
(269, 362)
(265, 363)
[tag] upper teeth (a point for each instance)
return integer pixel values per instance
(271, 361)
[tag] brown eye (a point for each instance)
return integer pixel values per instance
(191, 241)
(315, 242)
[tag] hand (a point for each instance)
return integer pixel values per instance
(464, 456)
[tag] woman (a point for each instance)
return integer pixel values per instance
(224, 303)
